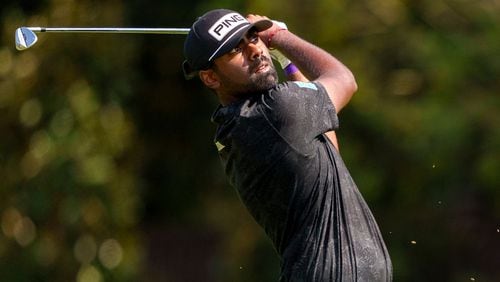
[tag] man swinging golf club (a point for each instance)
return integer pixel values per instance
(277, 149)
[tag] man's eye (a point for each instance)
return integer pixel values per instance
(236, 50)
(254, 38)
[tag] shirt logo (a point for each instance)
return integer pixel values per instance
(306, 85)
(225, 25)
(219, 146)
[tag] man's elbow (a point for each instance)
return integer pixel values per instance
(351, 86)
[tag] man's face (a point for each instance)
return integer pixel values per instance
(247, 68)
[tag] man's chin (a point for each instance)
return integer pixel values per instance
(265, 81)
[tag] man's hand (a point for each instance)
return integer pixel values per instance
(266, 34)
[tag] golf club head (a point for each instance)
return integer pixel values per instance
(25, 38)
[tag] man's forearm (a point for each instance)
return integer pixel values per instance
(297, 76)
(311, 60)
(317, 64)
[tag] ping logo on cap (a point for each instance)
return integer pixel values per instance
(225, 25)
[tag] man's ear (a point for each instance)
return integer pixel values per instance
(209, 78)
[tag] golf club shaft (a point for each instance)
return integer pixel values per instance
(110, 30)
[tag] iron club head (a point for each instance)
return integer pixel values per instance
(25, 38)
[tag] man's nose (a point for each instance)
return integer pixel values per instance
(254, 51)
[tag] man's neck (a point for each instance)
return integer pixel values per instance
(228, 99)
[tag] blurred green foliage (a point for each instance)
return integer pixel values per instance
(108, 172)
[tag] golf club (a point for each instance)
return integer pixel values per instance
(26, 37)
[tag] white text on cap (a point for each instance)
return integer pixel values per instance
(225, 25)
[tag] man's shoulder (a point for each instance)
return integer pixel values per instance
(284, 97)
(290, 95)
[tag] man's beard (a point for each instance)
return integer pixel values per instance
(258, 82)
(262, 81)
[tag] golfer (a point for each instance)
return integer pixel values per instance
(278, 149)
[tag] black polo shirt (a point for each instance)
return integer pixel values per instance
(296, 186)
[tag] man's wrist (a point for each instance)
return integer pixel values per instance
(290, 69)
(272, 36)
(280, 27)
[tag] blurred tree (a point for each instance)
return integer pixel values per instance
(108, 172)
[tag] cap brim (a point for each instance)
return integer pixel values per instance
(262, 25)
(236, 37)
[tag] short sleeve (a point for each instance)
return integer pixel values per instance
(300, 112)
